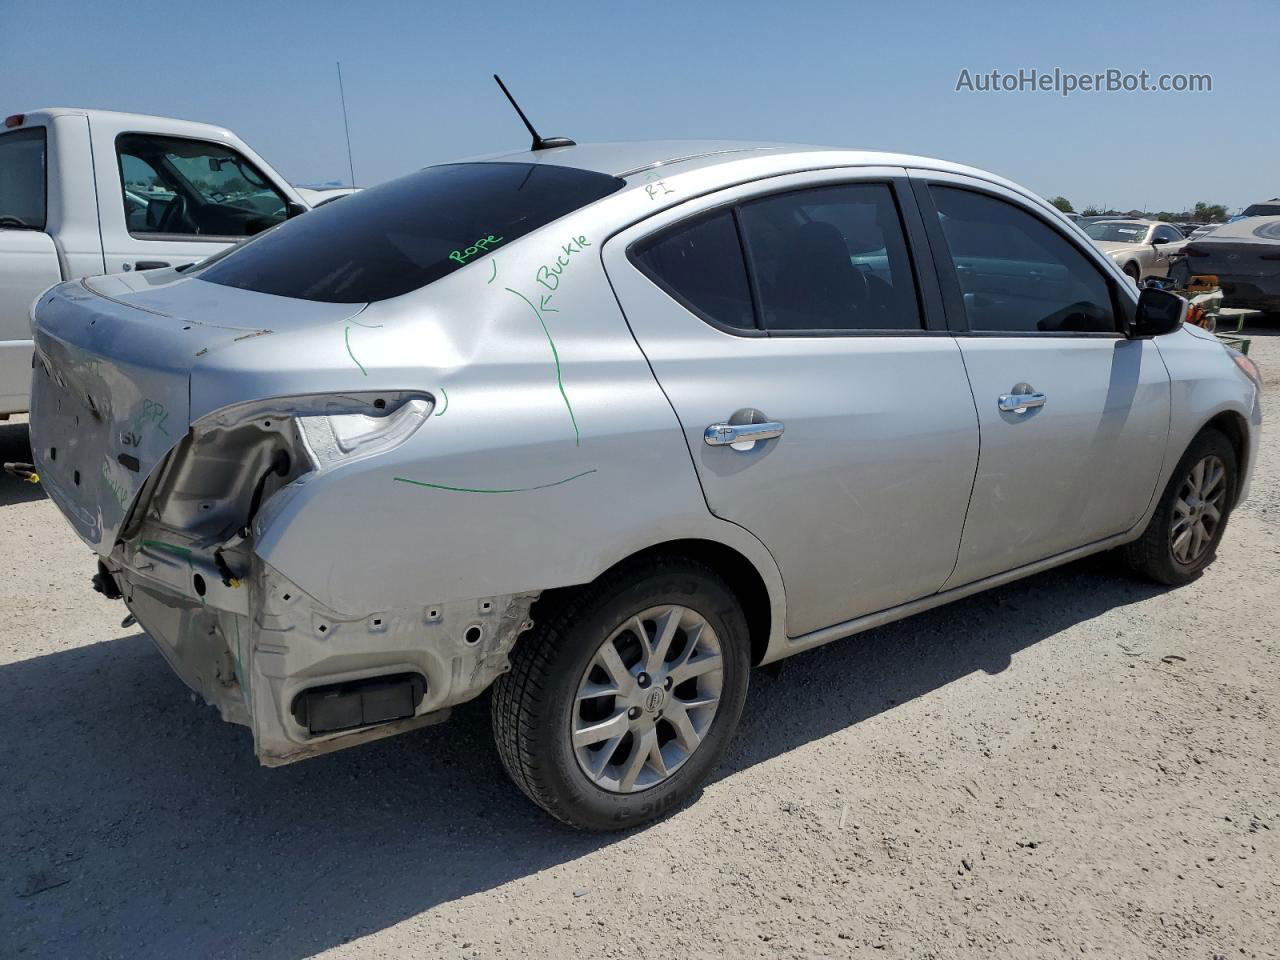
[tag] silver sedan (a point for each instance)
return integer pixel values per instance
(1141, 248)
(605, 426)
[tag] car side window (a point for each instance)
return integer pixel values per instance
(1017, 274)
(699, 263)
(831, 259)
(178, 187)
(22, 179)
(1169, 234)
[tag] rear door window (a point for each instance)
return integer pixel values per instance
(831, 259)
(397, 237)
(22, 179)
(699, 263)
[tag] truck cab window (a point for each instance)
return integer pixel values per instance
(22, 179)
(178, 187)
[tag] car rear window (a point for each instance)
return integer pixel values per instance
(22, 179)
(400, 236)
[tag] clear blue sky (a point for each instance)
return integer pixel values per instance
(878, 75)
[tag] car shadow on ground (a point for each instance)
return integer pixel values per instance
(137, 823)
(15, 447)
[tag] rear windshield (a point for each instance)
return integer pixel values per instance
(22, 183)
(400, 236)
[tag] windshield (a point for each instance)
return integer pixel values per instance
(1111, 231)
(383, 242)
(1262, 210)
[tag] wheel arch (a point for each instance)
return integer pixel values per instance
(759, 605)
(1234, 427)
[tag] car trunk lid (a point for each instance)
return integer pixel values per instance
(111, 385)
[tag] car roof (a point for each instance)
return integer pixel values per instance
(1266, 229)
(625, 159)
(143, 121)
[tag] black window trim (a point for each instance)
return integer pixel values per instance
(636, 248)
(40, 132)
(928, 295)
(185, 237)
(944, 265)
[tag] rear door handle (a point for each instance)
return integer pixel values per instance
(724, 434)
(1021, 402)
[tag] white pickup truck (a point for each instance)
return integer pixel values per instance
(86, 192)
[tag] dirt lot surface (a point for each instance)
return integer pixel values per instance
(1077, 764)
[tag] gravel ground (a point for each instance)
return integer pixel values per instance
(1077, 764)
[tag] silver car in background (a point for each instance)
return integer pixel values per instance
(605, 426)
(1141, 248)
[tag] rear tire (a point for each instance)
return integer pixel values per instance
(1191, 517)
(606, 731)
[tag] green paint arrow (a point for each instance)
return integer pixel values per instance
(545, 298)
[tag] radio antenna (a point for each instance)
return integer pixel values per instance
(539, 143)
(351, 164)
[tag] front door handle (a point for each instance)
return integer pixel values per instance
(724, 434)
(151, 264)
(1021, 400)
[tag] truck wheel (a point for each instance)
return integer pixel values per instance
(1183, 535)
(625, 694)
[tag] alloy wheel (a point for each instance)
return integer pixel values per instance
(647, 699)
(1198, 510)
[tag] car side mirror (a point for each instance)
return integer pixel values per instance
(1156, 241)
(293, 209)
(1159, 312)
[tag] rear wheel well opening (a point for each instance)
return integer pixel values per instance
(1233, 427)
(739, 573)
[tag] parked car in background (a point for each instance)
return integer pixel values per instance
(1245, 257)
(604, 426)
(1073, 217)
(1141, 248)
(1268, 208)
(85, 192)
(1202, 230)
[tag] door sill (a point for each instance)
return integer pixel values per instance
(847, 628)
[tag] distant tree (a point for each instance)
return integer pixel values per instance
(1167, 217)
(1209, 212)
(1063, 204)
(1091, 211)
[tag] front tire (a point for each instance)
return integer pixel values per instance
(1187, 526)
(625, 694)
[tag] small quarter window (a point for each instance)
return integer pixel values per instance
(1017, 274)
(831, 259)
(699, 263)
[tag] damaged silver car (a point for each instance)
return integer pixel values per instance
(603, 427)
